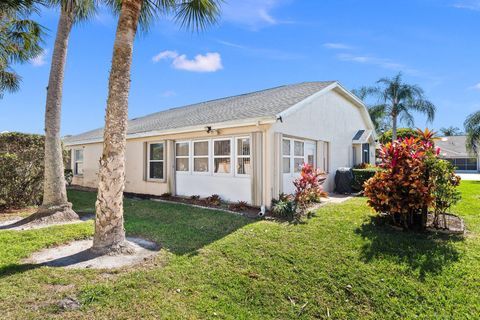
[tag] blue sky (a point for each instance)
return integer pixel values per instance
(260, 44)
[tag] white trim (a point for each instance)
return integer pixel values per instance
(189, 144)
(75, 161)
(214, 126)
(208, 156)
(231, 172)
(237, 156)
(163, 160)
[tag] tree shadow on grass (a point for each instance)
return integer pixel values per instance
(427, 253)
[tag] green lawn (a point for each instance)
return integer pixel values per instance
(218, 265)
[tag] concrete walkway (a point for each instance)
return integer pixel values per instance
(470, 176)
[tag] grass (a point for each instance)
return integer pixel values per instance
(217, 265)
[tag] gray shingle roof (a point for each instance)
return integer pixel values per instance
(453, 147)
(259, 104)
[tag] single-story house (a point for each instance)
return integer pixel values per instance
(454, 149)
(244, 148)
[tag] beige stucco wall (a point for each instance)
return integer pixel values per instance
(135, 181)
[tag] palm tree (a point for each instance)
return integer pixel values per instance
(194, 14)
(55, 205)
(472, 128)
(397, 99)
(450, 131)
(20, 40)
(376, 112)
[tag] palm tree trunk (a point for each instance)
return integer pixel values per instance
(109, 230)
(394, 128)
(55, 206)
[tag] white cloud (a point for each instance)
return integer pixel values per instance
(476, 87)
(253, 13)
(210, 62)
(380, 62)
(168, 93)
(39, 60)
(266, 53)
(468, 4)
(337, 45)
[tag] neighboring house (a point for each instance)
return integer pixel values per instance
(454, 149)
(244, 148)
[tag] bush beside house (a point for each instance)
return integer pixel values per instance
(21, 170)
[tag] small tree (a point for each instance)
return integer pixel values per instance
(444, 190)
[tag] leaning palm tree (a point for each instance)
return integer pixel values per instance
(472, 128)
(20, 40)
(194, 14)
(397, 99)
(55, 206)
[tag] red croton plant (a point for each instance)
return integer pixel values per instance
(403, 188)
(308, 187)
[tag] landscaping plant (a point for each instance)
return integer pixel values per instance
(308, 188)
(285, 207)
(403, 189)
(444, 190)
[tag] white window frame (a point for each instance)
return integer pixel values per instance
(289, 156)
(189, 143)
(292, 152)
(75, 161)
(163, 160)
(213, 157)
(237, 156)
(208, 156)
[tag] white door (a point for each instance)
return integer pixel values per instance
(295, 154)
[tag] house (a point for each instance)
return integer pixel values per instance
(244, 148)
(454, 149)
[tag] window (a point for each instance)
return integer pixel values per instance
(243, 156)
(78, 162)
(286, 156)
(299, 156)
(182, 156)
(156, 156)
(200, 156)
(221, 156)
(465, 164)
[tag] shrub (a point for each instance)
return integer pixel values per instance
(21, 170)
(360, 176)
(444, 191)
(68, 176)
(308, 187)
(195, 197)
(403, 189)
(213, 200)
(402, 133)
(285, 207)
(239, 206)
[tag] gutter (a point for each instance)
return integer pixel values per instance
(215, 126)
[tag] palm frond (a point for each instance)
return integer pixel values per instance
(196, 15)
(472, 128)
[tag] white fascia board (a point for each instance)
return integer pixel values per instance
(214, 126)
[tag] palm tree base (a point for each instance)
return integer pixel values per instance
(53, 214)
(121, 248)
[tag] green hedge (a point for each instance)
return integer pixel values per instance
(21, 170)
(362, 175)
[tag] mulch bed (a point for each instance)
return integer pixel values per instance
(455, 224)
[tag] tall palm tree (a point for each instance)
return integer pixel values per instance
(55, 205)
(472, 128)
(376, 112)
(194, 14)
(397, 99)
(20, 40)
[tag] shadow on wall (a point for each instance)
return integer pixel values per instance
(425, 253)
